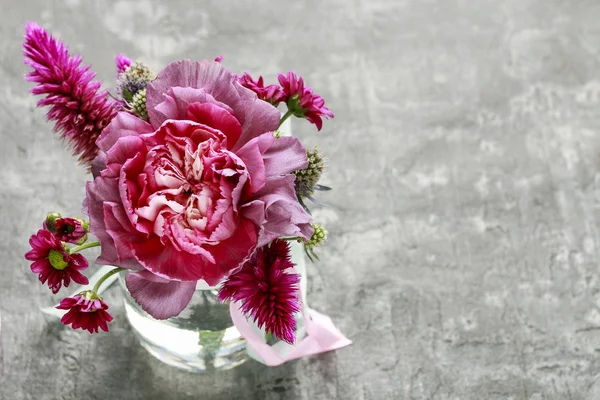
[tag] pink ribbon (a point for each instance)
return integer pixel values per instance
(321, 336)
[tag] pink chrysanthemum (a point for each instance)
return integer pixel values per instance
(87, 311)
(52, 263)
(78, 107)
(302, 101)
(271, 93)
(268, 293)
(69, 230)
(122, 62)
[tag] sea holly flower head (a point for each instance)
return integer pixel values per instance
(53, 263)
(301, 101)
(307, 178)
(87, 311)
(134, 79)
(271, 93)
(269, 292)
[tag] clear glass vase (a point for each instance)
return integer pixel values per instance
(201, 338)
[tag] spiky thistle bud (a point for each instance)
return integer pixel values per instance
(307, 178)
(138, 104)
(318, 237)
(134, 79)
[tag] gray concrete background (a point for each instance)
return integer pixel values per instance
(463, 259)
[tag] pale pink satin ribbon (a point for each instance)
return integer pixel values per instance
(321, 336)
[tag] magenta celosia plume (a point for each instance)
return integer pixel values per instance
(52, 263)
(78, 107)
(192, 193)
(268, 292)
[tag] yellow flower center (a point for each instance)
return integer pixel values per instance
(57, 260)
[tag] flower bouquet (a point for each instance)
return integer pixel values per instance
(191, 182)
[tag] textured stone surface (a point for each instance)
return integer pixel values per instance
(464, 243)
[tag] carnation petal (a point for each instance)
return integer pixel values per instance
(159, 297)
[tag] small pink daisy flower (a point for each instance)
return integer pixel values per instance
(69, 230)
(52, 263)
(268, 293)
(301, 100)
(87, 311)
(271, 93)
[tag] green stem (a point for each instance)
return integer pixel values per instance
(291, 239)
(83, 247)
(285, 116)
(105, 277)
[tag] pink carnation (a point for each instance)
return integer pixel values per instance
(192, 193)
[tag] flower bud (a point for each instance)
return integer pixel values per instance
(50, 220)
(318, 237)
(138, 104)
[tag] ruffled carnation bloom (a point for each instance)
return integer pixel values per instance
(192, 193)
(269, 293)
(302, 101)
(271, 93)
(52, 263)
(69, 230)
(87, 311)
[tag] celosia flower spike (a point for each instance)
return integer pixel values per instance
(268, 292)
(77, 106)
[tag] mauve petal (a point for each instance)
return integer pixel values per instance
(160, 298)
(124, 124)
(284, 156)
(126, 149)
(168, 262)
(217, 117)
(252, 157)
(255, 115)
(120, 230)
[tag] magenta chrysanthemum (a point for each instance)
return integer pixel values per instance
(69, 230)
(86, 311)
(268, 293)
(301, 100)
(52, 263)
(271, 93)
(77, 106)
(122, 62)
